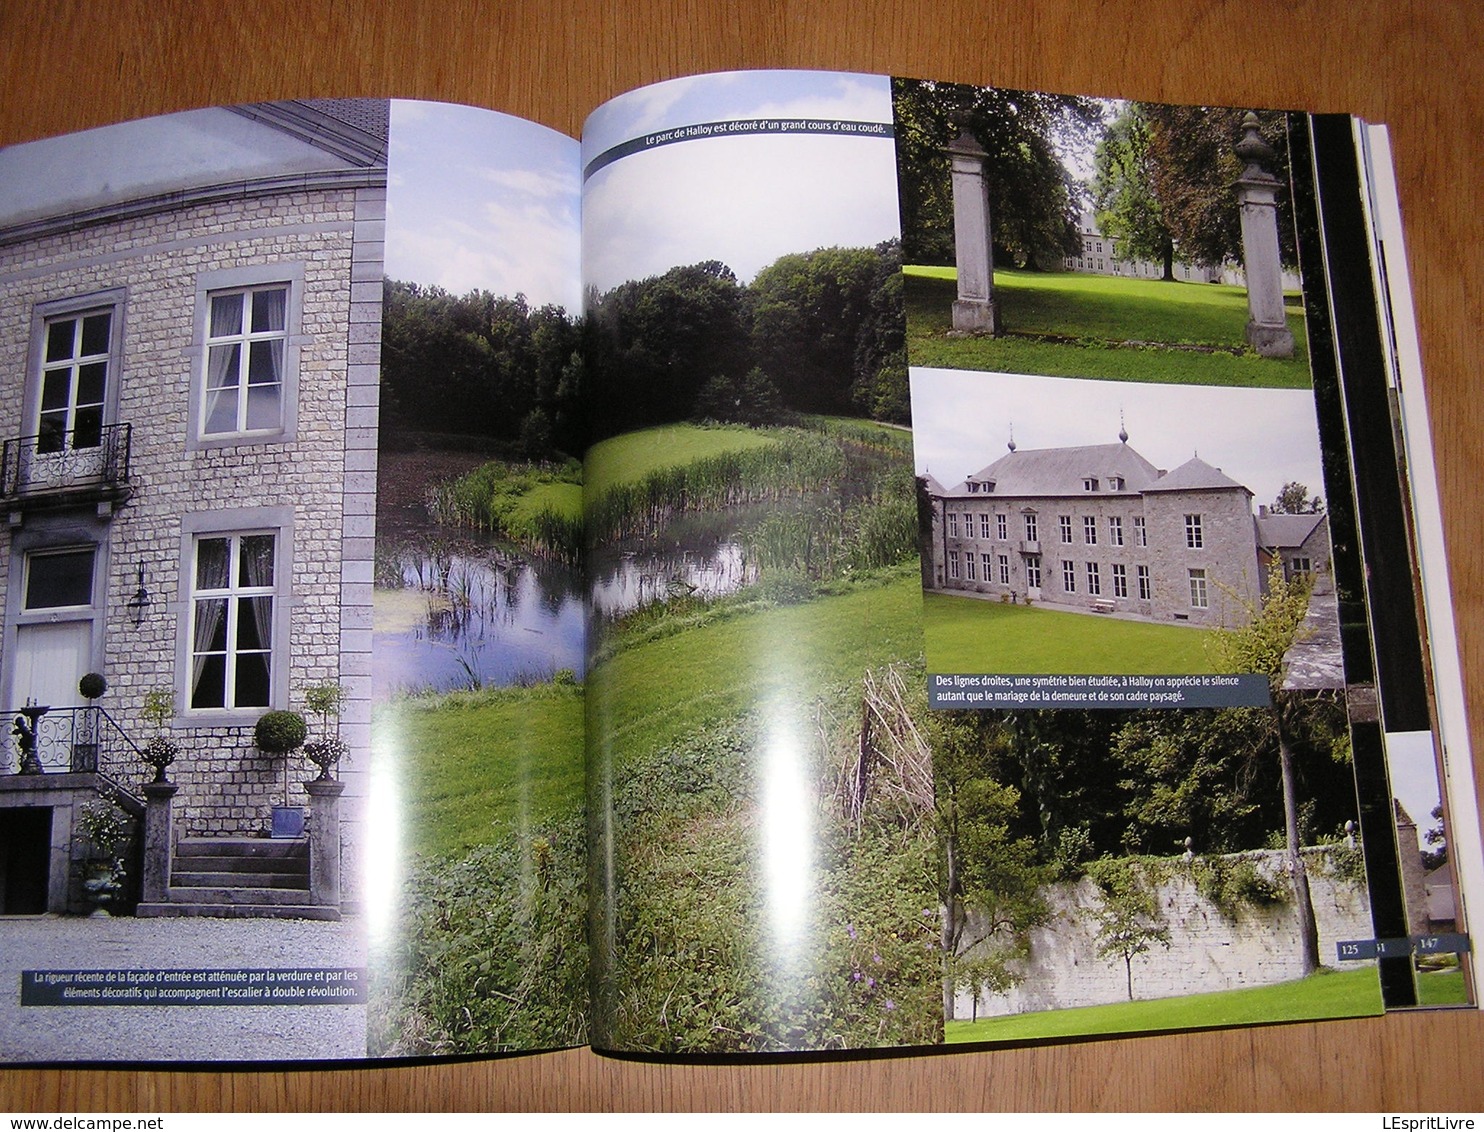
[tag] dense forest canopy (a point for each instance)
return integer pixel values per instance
(819, 331)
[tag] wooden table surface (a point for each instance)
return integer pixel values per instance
(1415, 64)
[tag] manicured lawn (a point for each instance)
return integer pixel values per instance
(1442, 988)
(783, 658)
(469, 767)
(1095, 311)
(965, 634)
(1328, 994)
(632, 456)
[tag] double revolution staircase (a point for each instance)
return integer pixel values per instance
(240, 876)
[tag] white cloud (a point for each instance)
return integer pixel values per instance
(479, 200)
(742, 200)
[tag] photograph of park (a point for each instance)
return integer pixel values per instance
(1071, 236)
(476, 898)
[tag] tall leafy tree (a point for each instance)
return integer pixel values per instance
(1032, 197)
(1124, 199)
(1194, 170)
(988, 877)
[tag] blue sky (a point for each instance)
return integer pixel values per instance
(477, 199)
(1262, 438)
(742, 200)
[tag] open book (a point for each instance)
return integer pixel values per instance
(825, 562)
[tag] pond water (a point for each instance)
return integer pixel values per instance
(470, 611)
(462, 609)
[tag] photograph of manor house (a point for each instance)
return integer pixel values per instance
(1124, 528)
(1098, 527)
(189, 327)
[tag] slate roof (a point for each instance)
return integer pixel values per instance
(1285, 530)
(1195, 475)
(1060, 471)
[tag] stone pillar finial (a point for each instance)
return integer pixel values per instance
(1257, 198)
(976, 310)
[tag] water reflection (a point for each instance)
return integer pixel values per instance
(469, 612)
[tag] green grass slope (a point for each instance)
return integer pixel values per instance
(1086, 314)
(964, 634)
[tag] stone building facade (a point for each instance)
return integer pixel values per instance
(1100, 528)
(189, 349)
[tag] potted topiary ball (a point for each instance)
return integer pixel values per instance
(279, 734)
(326, 700)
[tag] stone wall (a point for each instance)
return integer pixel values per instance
(155, 261)
(1209, 949)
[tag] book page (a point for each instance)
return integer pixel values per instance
(293, 629)
(1117, 789)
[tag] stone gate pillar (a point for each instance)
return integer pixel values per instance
(158, 842)
(1257, 196)
(324, 841)
(976, 310)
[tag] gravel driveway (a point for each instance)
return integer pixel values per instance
(175, 1033)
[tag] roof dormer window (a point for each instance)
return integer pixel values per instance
(1090, 483)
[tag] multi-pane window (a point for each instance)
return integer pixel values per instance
(1198, 597)
(953, 524)
(984, 526)
(953, 566)
(1005, 570)
(1194, 536)
(970, 570)
(1031, 534)
(74, 381)
(246, 335)
(1094, 579)
(1120, 580)
(1300, 567)
(1090, 529)
(986, 561)
(1146, 590)
(1065, 522)
(1115, 530)
(1069, 577)
(1032, 571)
(1141, 532)
(1002, 527)
(1090, 484)
(232, 609)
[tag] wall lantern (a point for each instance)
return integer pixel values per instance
(141, 601)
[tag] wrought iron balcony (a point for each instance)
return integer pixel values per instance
(71, 740)
(56, 468)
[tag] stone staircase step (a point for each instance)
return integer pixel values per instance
(189, 863)
(242, 847)
(197, 878)
(227, 895)
(243, 911)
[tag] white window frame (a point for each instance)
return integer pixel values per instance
(971, 569)
(1032, 527)
(236, 523)
(43, 316)
(1064, 522)
(984, 525)
(953, 524)
(1069, 577)
(1094, 580)
(1120, 580)
(1195, 535)
(953, 566)
(1200, 596)
(1033, 571)
(1090, 530)
(1115, 530)
(1146, 585)
(246, 280)
(1141, 531)
(1004, 564)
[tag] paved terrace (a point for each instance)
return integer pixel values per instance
(175, 1033)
